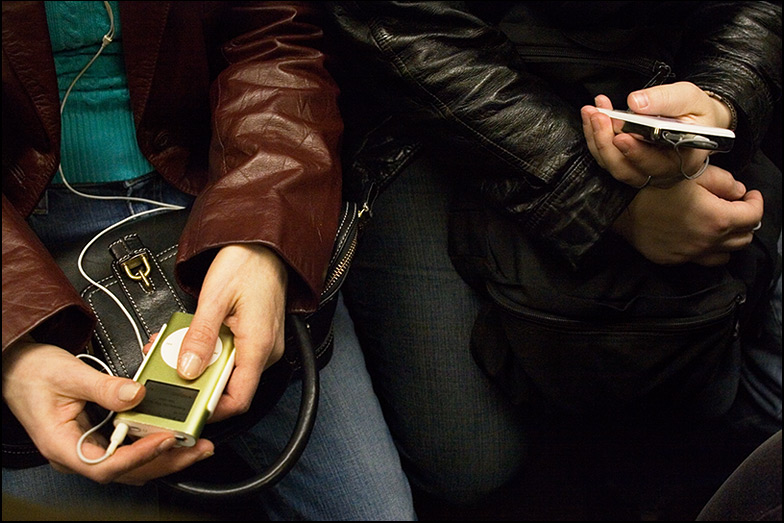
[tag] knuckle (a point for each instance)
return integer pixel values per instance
(104, 478)
(243, 406)
(201, 335)
(722, 225)
(267, 339)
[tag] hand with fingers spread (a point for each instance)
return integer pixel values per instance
(245, 288)
(47, 389)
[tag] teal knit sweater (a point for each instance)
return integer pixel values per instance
(98, 133)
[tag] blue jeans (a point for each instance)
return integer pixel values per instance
(459, 438)
(756, 413)
(350, 469)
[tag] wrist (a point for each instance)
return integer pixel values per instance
(729, 116)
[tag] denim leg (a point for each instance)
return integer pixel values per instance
(350, 470)
(71, 496)
(61, 217)
(757, 410)
(458, 436)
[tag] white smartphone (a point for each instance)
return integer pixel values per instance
(674, 132)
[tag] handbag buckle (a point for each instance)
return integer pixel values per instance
(138, 268)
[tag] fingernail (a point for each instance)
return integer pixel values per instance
(206, 455)
(128, 391)
(641, 99)
(623, 147)
(166, 445)
(190, 365)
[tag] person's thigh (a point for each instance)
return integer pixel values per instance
(457, 435)
(71, 496)
(753, 491)
(756, 413)
(350, 469)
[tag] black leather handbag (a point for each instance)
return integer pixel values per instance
(135, 261)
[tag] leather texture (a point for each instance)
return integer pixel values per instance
(152, 299)
(232, 103)
(451, 74)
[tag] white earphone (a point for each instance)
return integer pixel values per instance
(121, 431)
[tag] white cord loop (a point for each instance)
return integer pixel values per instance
(699, 172)
(685, 141)
(117, 437)
(121, 430)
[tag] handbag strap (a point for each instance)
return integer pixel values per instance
(293, 449)
(153, 296)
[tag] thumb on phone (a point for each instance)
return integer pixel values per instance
(198, 344)
(680, 99)
(110, 392)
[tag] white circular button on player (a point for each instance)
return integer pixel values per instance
(170, 348)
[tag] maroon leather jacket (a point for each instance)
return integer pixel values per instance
(231, 104)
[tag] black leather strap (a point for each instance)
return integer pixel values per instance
(296, 445)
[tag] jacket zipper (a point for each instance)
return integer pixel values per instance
(659, 70)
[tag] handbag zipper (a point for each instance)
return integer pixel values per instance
(670, 325)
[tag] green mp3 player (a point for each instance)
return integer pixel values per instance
(171, 403)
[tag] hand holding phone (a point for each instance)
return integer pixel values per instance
(673, 132)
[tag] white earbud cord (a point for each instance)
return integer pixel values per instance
(107, 39)
(121, 431)
(117, 437)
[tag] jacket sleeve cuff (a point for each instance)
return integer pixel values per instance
(37, 297)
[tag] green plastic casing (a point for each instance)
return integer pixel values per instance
(171, 403)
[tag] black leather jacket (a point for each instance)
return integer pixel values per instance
(496, 87)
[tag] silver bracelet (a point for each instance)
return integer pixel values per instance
(730, 106)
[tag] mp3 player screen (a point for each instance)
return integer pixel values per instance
(167, 401)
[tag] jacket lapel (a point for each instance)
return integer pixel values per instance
(30, 60)
(142, 33)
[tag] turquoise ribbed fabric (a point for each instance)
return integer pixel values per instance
(98, 133)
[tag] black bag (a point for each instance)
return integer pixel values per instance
(621, 336)
(135, 261)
